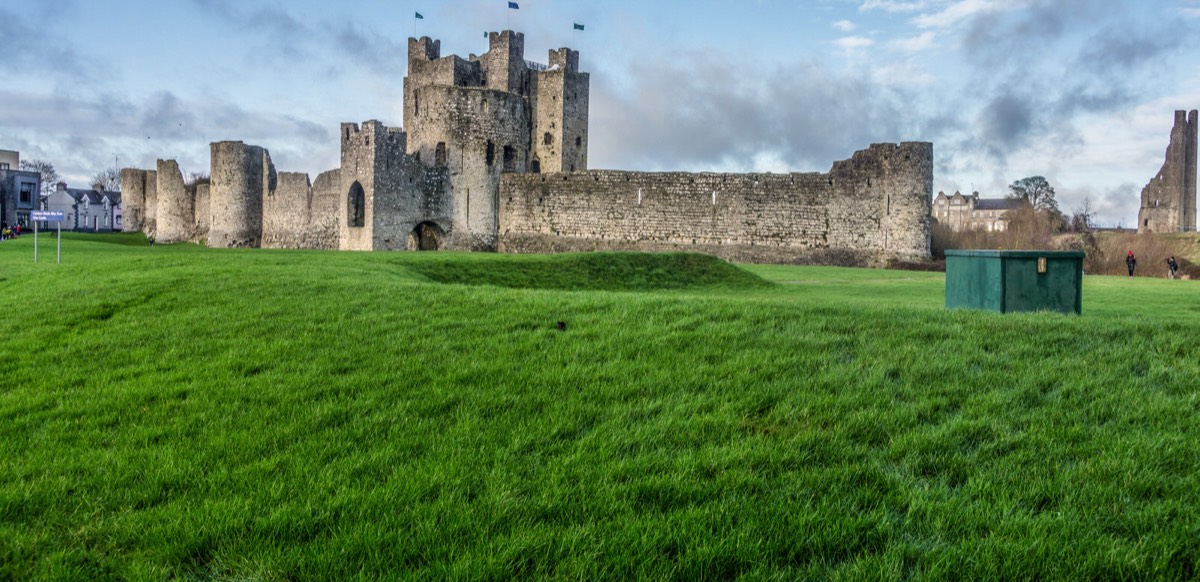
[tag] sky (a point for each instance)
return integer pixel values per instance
(1082, 92)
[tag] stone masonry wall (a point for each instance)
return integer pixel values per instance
(133, 199)
(240, 175)
(203, 215)
(150, 204)
(866, 210)
(298, 215)
(176, 215)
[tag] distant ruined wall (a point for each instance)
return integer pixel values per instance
(241, 174)
(322, 232)
(150, 203)
(286, 212)
(1168, 202)
(203, 215)
(866, 210)
(300, 215)
(133, 199)
(176, 215)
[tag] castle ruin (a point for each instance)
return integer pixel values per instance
(1169, 200)
(493, 157)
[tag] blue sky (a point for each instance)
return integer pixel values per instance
(1079, 91)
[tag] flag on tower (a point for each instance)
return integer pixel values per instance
(513, 5)
(578, 26)
(419, 17)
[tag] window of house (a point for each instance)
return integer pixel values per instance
(3, 165)
(26, 193)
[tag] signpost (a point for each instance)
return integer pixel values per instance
(46, 216)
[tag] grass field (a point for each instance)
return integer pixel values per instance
(187, 413)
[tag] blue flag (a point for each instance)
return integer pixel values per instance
(514, 6)
(578, 26)
(419, 17)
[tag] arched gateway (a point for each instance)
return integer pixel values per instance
(426, 236)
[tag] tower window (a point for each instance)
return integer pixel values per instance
(578, 141)
(439, 154)
(491, 153)
(547, 139)
(356, 207)
(510, 159)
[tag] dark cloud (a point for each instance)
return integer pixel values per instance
(1006, 122)
(31, 45)
(704, 109)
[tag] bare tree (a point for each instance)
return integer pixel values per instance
(108, 179)
(46, 170)
(194, 178)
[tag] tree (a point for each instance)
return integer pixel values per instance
(1081, 218)
(1037, 192)
(108, 179)
(46, 170)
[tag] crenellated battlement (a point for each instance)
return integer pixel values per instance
(564, 59)
(424, 49)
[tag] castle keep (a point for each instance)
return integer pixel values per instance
(1169, 200)
(493, 157)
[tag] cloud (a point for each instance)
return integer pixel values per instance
(852, 43)
(738, 116)
(915, 44)
(963, 10)
(30, 44)
(893, 5)
(844, 25)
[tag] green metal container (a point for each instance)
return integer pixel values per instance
(1007, 281)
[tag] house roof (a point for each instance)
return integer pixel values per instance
(996, 204)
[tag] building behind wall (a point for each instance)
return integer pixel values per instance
(85, 209)
(961, 213)
(1168, 202)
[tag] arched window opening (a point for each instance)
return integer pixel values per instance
(535, 167)
(491, 153)
(548, 139)
(439, 154)
(356, 212)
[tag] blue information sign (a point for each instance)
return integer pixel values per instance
(46, 216)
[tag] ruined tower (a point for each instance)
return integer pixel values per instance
(495, 113)
(1169, 200)
(241, 174)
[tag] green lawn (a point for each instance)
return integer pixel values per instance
(182, 412)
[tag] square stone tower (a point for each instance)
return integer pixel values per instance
(491, 114)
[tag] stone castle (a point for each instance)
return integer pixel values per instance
(1169, 200)
(493, 157)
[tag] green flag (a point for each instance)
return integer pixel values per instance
(419, 17)
(578, 26)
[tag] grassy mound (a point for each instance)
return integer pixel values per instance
(587, 271)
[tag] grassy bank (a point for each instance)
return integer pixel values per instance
(193, 413)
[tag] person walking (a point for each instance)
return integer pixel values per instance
(1172, 266)
(1131, 262)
